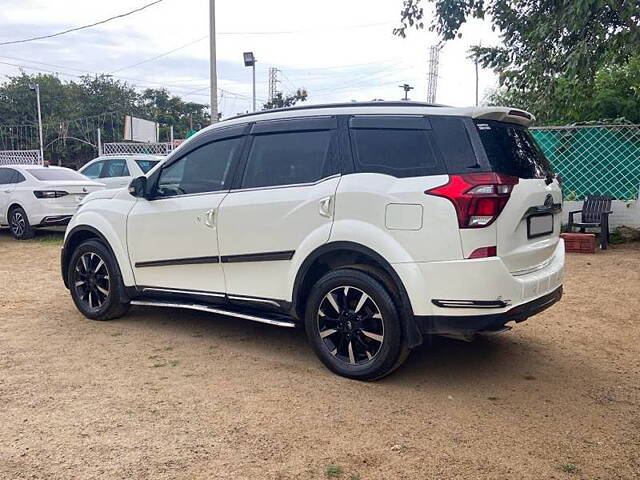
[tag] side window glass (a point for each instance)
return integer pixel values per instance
(93, 171)
(205, 169)
(395, 152)
(146, 165)
(6, 176)
(18, 177)
(115, 168)
(290, 158)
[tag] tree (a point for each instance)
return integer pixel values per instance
(280, 101)
(541, 38)
(614, 96)
(73, 111)
(550, 48)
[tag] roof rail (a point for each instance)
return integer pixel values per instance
(402, 103)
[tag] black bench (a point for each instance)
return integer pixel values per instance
(594, 214)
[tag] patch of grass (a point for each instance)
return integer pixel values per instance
(159, 364)
(332, 471)
(354, 476)
(569, 468)
(117, 334)
(47, 239)
(174, 363)
(624, 234)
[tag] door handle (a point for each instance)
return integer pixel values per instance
(210, 218)
(325, 207)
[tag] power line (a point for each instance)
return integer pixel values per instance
(124, 78)
(42, 37)
(160, 55)
(291, 32)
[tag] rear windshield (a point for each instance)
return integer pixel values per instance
(511, 150)
(146, 165)
(55, 174)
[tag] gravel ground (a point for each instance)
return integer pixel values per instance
(169, 394)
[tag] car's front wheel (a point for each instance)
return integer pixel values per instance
(19, 224)
(95, 282)
(353, 325)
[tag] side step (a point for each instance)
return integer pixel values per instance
(217, 310)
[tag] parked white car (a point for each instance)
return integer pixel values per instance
(118, 170)
(33, 196)
(373, 225)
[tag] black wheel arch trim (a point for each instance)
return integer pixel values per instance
(412, 333)
(65, 256)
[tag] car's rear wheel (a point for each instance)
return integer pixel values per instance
(19, 224)
(353, 325)
(95, 282)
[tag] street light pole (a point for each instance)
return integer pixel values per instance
(212, 61)
(254, 86)
(250, 61)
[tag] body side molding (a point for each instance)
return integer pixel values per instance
(178, 261)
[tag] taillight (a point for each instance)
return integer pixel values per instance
(477, 197)
(49, 193)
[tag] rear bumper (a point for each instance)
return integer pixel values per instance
(468, 326)
(477, 287)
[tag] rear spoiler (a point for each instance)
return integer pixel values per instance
(503, 114)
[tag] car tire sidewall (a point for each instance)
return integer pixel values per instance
(28, 229)
(113, 299)
(392, 349)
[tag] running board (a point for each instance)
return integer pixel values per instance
(219, 311)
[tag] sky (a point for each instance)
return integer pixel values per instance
(339, 50)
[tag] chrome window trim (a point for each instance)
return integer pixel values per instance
(291, 185)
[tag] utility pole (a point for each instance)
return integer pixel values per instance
(432, 75)
(406, 89)
(212, 61)
(35, 87)
(476, 62)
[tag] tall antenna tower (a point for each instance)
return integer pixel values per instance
(273, 83)
(432, 75)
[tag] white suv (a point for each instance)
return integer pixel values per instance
(117, 171)
(372, 225)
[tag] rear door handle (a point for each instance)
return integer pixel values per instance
(210, 218)
(325, 207)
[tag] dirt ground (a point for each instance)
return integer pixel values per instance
(166, 394)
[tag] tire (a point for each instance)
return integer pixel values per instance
(19, 224)
(361, 339)
(95, 282)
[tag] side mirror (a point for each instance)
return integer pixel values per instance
(138, 187)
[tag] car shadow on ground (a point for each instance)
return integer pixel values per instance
(53, 235)
(438, 360)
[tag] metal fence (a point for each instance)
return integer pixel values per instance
(603, 159)
(20, 157)
(124, 148)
